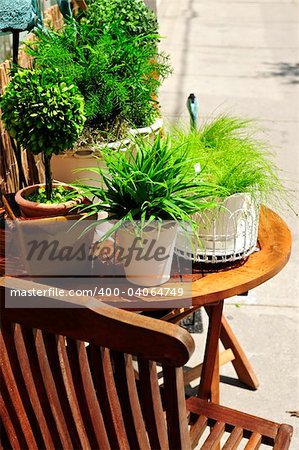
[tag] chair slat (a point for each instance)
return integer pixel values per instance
(91, 398)
(151, 403)
(72, 352)
(29, 341)
(31, 387)
(71, 393)
(232, 417)
(52, 392)
(175, 406)
(197, 430)
(254, 442)
(16, 400)
(234, 439)
(9, 427)
(129, 400)
(104, 384)
(213, 440)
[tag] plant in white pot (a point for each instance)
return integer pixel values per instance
(228, 154)
(146, 193)
(45, 114)
(110, 51)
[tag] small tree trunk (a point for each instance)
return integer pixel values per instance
(48, 175)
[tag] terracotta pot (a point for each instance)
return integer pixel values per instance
(33, 209)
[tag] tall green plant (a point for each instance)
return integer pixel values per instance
(117, 72)
(43, 113)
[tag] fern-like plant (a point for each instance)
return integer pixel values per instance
(114, 62)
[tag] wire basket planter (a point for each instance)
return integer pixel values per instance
(225, 234)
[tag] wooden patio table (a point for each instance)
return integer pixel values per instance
(209, 290)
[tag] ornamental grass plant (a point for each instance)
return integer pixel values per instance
(228, 154)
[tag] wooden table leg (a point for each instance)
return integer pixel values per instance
(229, 340)
(215, 387)
(210, 371)
(241, 364)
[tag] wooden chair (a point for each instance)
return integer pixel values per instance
(68, 382)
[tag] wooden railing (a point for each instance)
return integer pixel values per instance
(33, 170)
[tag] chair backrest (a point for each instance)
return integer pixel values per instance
(69, 378)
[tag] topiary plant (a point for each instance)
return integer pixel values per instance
(43, 113)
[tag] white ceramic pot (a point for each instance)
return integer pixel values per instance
(68, 166)
(148, 258)
(226, 233)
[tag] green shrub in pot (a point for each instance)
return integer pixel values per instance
(228, 153)
(117, 68)
(45, 114)
(155, 181)
(135, 18)
(152, 184)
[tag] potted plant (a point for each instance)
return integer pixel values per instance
(145, 194)
(228, 154)
(45, 114)
(110, 51)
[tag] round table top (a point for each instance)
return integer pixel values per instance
(206, 287)
(274, 241)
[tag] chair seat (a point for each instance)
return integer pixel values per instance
(251, 430)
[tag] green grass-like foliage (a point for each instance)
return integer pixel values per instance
(233, 158)
(42, 112)
(154, 182)
(115, 63)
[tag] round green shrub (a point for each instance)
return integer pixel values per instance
(42, 111)
(132, 17)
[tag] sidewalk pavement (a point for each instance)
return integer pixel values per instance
(241, 57)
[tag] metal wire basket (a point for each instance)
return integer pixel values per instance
(225, 234)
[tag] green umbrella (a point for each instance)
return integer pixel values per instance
(24, 15)
(17, 16)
